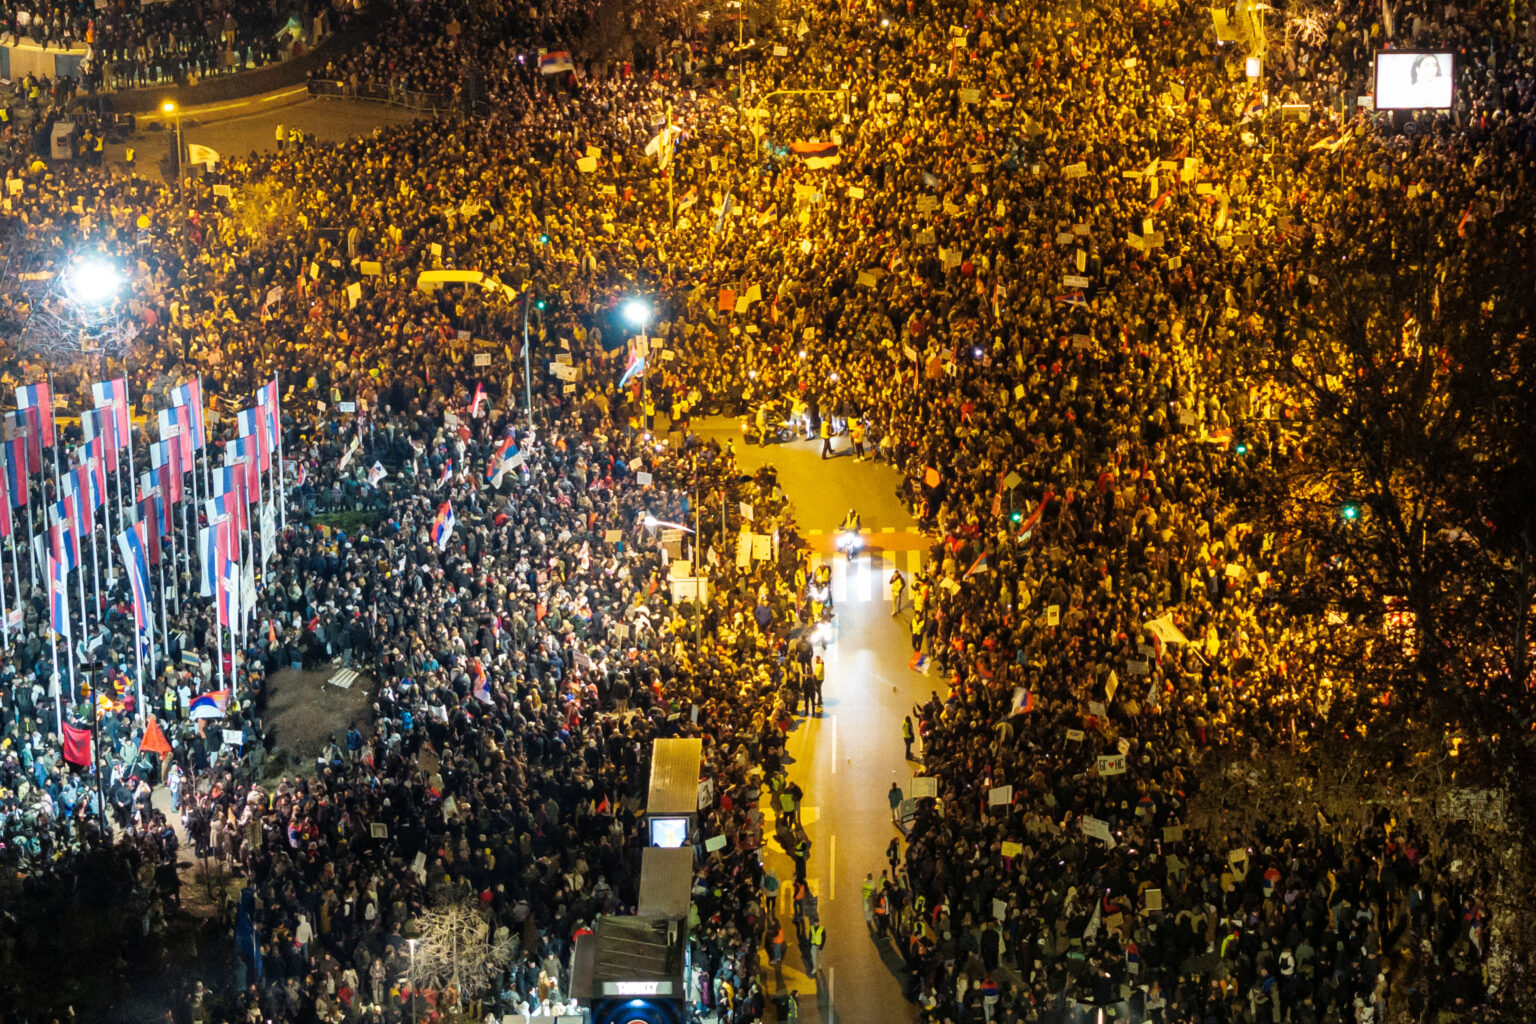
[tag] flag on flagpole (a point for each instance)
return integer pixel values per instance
(100, 427)
(442, 525)
(114, 393)
(636, 366)
(154, 740)
(978, 567)
(352, 449)
(39, 397)
(130, 544)
(446, 475)
(77, 744)
(58, 596)
(555, 61)
(190, 397)
(474, 404)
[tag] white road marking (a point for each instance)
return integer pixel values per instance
(832, 867)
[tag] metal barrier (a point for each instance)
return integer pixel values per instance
(426, 102)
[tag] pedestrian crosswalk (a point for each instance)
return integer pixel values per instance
(866, 577)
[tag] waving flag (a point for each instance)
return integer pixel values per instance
(446, 475)
(39, 397)
(24, 426)
(210, 553)
(57, 600)
(482, 682)
(555, 61)
(130, 545)
(267, 400)
(212, 704)
(165, 460)
(474, 403)
(688, 199)
(978, 567)
(636, 366)
(376, 474)
(442, 526)
(229, 594)
(1034, 517)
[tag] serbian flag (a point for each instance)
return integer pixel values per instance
(446, 475)
(77, 745)
(252, 424)
(1461, 225)
(100, 427)
(442, 526)
(918, 663)
(267, 400)
(154, 740)
(165, 460)
(152, 516)
(1023, 701)
(978, 567)
(23, 426)
(688, 200)
(58, 605)
(216, 699)
(474, 403)
(39, 397)
(190, 397)
(636, 367)
(555, 61)
(175, 426)
(482, 687)
(114, 393)
(6, 524)
(228, 598)
(130, 544)
(16, 471)
(1073, 298)
(1034, 517)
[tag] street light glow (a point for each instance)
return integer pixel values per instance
(637, 312)
(93, 282)
(168, 106)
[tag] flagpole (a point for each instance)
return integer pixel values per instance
(282, 479)
(16, 568)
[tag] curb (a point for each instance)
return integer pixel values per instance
(211, 112)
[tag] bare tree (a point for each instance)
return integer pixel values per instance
(455, 950)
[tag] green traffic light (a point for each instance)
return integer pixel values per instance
(1016, 516)
(543, 239)
(539, 304)
(1350, 512)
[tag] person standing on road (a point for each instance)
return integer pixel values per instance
(898, 587)
(867, 891)
(895, 796)
(826, 438)
(907, 735)
(281, 135)
(818, 676)
(818, 943)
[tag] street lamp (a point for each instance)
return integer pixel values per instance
(93, 282)
(638, 313)
(170, 107)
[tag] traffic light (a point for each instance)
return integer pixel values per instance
(1016, 516)
(539, 305)
(543, 239)
(1350, 512)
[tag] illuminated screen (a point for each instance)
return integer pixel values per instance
(1413, 81)
(669, 832)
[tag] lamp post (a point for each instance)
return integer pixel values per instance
(170, 107)
(412, 944)
(528, 301)
(638, 313)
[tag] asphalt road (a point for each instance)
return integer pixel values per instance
(326, 120)
(846, 759)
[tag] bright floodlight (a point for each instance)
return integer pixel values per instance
(168, 106)
(637, 312)
(94, 282)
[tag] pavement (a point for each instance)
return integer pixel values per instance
(847, 757)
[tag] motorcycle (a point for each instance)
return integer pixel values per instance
(778, 426)
(850, 541)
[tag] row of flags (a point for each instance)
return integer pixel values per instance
(139, 519)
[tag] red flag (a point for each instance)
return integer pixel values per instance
(154, 739)
(77, 745)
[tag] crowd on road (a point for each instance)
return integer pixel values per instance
(1034, 255)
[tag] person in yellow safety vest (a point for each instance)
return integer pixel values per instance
(128, 156)
(762, 426)
(818, 943)
(281, 135)
(826, 438)
(907, 735)
(819, 676)
(917, 632)
(650, 412)
(867, 892)
(898, 586)
(856, 438)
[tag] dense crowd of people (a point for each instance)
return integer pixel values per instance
(1034, 255)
